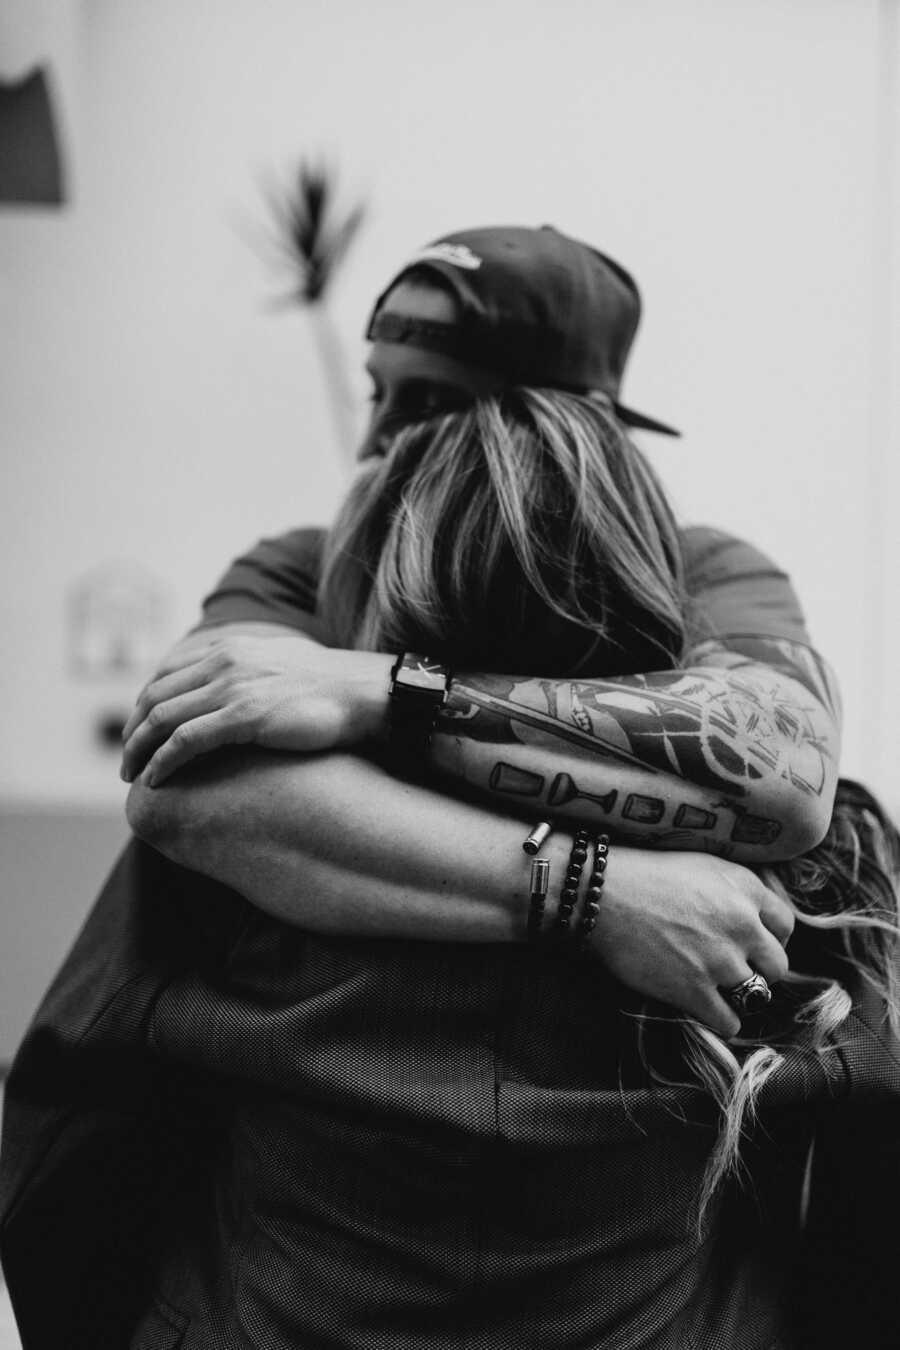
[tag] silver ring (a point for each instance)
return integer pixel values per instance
(749, 996)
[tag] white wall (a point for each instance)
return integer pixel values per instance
(731, 152)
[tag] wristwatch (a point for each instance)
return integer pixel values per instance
(417, 692)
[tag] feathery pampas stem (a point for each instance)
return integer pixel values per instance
(314, 239)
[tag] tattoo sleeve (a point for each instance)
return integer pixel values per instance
(735, 754)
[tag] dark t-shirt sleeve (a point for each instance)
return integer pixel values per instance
(736, 591)
(274, 583)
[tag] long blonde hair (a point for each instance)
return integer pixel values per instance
(528, 535)
(845, 894)
(524, 534)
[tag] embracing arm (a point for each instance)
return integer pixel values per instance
(674, 927)
(736, 753)
(733, 754)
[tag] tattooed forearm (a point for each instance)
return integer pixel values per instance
(720, 733)
(794, 659)
(680, 820)
(732, 754)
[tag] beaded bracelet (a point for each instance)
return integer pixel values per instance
(594, 892)
(540, 879)
(569, 893)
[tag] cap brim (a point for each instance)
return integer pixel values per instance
(642, 423)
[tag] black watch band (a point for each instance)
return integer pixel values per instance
(418, 690)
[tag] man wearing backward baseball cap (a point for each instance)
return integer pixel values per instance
(174, 988)
(532, 307)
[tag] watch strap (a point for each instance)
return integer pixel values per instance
(418, 690)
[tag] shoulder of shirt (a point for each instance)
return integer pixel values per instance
(308, 538)
(712, 555)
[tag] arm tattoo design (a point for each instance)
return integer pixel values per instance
(790, 658)
(722, 735)
(685, 822)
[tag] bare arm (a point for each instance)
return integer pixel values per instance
(735, 754)
(672, 926)
(731, 755)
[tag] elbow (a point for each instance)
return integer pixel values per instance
(788, 826)
(806, 827)
(149, 815)
(809, 790)
(793, 801)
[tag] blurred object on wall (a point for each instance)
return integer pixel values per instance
(117, 621)
(312, 240)
(30, 160)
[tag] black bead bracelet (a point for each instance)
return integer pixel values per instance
(568, 896)
(594, 892)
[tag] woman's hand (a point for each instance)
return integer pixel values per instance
(683, 927)
(279, 692)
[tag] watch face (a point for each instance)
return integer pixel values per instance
(420, 672)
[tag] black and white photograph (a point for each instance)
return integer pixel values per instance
(449, 747)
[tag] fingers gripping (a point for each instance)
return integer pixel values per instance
(768, 958)
(167, 686)
(163, 721)
(198, 736)
(763, 945)
(777, 915)
(715, 1012)
(765, 949)
(740, 928)
(167, 707)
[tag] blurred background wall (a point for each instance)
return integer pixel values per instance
(158, 412)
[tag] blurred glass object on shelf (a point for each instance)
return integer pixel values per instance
(118, 620)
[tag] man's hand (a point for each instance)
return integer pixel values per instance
(281, 692)
(682, 927)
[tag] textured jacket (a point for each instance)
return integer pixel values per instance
(223, 1132)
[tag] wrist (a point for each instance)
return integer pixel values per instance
(418, 689)
(367, 697)
(566, 888)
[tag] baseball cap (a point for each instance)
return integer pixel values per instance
(534, 305)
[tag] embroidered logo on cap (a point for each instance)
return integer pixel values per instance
(460, 255)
